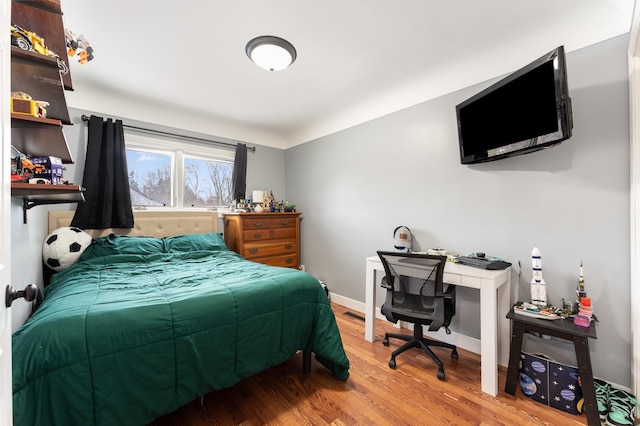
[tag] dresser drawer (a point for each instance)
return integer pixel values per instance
(278, 233)
(256, 223)
(286, 260)
(250, 251)
(256, 235)
(283, 222)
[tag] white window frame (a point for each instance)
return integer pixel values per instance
(179, 148)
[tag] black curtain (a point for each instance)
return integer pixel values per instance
(108, 200)
(239, 177)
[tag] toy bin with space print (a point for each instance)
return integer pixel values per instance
(551, 383)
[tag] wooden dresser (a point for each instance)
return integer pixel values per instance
(269, 238)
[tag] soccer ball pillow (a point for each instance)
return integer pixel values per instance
(63, 247)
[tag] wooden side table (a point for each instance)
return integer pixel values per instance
(563, 329)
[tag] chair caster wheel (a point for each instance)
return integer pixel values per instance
(385, 341)
(440, 375)
(392, 363)
(454, 354)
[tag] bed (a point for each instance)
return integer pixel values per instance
(151, 318)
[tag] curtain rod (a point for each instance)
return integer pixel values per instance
(232, 145)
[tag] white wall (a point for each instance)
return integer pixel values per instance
(572, 201)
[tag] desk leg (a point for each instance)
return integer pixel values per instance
(581, 346)
(489, 338)
(370, 303)
(514, 358)
(504, 325)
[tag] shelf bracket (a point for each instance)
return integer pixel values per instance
(26, 205)
(33, 196)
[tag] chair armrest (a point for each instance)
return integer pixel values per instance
(385, 284)
(449, 293)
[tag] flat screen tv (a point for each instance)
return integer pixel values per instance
(526, 111)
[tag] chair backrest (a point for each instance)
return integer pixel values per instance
(414, 284)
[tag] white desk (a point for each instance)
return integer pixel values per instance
(494, 305)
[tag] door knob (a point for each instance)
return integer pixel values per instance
(29, 293)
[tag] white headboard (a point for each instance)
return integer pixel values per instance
(148, 223)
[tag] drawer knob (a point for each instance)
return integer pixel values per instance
(257, 236)
(253, 250)
(288, 246)
(257, 224)
(284, 222)
(289, 261)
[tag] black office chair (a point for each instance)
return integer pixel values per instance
(414, 284)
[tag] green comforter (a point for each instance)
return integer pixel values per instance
(123, 338)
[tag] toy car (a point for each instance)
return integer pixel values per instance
(28, 40)
(80, 45)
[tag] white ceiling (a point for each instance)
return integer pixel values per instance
(357, 59)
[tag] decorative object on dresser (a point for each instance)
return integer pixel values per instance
(269, 238)
(257, 200)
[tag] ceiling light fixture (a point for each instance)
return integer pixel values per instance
(271, 53)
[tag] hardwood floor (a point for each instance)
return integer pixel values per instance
(374, 394)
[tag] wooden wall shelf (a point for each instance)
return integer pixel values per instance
(38, 137)
(45, 19)
(39, 76)
(37, 194)
(32, 119)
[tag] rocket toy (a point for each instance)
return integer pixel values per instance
(538, 286)
(580, 292)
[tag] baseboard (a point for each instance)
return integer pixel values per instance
(470, 344)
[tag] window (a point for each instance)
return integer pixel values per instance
(177, 174)
(207, 182)
(150, 177)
